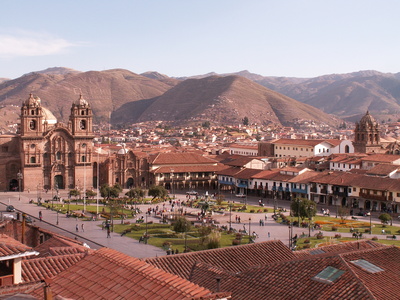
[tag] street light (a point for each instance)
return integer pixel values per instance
(145, 239)
(230, 216)
(249, 230)
(172, 183)
(290, 235)
(19, 176)
(57, 216)
(84, 178)
(336, 203)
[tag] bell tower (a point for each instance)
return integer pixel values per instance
(81, 118)
(367, 135)
(31, 117)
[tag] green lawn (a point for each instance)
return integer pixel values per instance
(162, 236)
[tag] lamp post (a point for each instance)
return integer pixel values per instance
(145, 239)
(57, 217)
(98, 191)
(290, 235)
(274, 202)
(172, 183)
(84, 178)
(336, 203)
(230, 216)
(370, 221)
(249, 230)
(19, 176)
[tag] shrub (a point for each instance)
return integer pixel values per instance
(236, 242)
(265, 210)
(334, 228)
(306, 246)
(239, 236)
(252, 210)
(306, 241)
(375, 238)
(320, 235)
(367, 230)
(338, 236)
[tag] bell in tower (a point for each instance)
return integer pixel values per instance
(81, 118)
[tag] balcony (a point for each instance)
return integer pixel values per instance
(6, 280)
(376, 197)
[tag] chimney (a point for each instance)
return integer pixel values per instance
(48, 294)
(218, 284)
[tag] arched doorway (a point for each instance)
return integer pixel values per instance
(59, 182)
(129, 183)
(13, 185)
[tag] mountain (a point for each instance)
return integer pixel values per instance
(222, 100)
(57, 88)
(344, 95)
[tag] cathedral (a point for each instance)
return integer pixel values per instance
(367, 138)
(46, 154)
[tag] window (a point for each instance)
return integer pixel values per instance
(83, 158)
(32, 125)
(328, 275)
(33, 160)
(354, 189)
(58, 155)
(82, 124)
(4, 149)
(367, 266)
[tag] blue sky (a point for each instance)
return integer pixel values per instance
(181, 38)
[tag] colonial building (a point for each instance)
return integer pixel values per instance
(48, 154)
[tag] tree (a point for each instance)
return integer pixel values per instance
(110, 192)
(206, 124)
(182, 225)
(385, 219)
(136, 193)
(303, 208)
(343, 213)
(158, 191)
(74, 193)
(90, 194)
(245, 121)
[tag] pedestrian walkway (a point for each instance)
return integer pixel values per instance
(91, 232)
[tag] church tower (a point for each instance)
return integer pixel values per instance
(367, 135)
(31, 117)
(81, 118)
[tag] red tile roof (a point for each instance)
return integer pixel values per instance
(47, 267)
(11, 247)
(108, 274)
(233, 259)
(180, 158)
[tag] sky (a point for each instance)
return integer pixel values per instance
(291, 38)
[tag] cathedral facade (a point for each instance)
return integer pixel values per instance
(46, 154)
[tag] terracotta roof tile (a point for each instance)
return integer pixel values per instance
(234, 259)
(108, 274)
(11, 247)
(47, 267)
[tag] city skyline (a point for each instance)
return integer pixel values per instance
(179, 38)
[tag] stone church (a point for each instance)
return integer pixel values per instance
(367, 138)
(46, 154)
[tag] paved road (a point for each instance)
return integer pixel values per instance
(96, 237)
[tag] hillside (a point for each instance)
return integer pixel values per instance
(222, 100)
(106, 90)
(343, 95)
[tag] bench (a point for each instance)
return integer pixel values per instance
(391, 237)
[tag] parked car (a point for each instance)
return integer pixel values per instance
(8, 217)
(241, 195)
(10, 208)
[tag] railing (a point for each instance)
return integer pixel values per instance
(7, 280)
(376, 197)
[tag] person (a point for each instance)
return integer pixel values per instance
(266, 217)
(239, 219)
(82, 227)
(40, 216)
(108, 232)
(269, 234)
(77, 228)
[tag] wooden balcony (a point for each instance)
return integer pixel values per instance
(6, 280)
(367, 196)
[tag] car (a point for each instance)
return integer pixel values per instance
(10, 208)
(192, 193)
(8, 217)
(240, 195)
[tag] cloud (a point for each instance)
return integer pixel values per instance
(31, 44)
